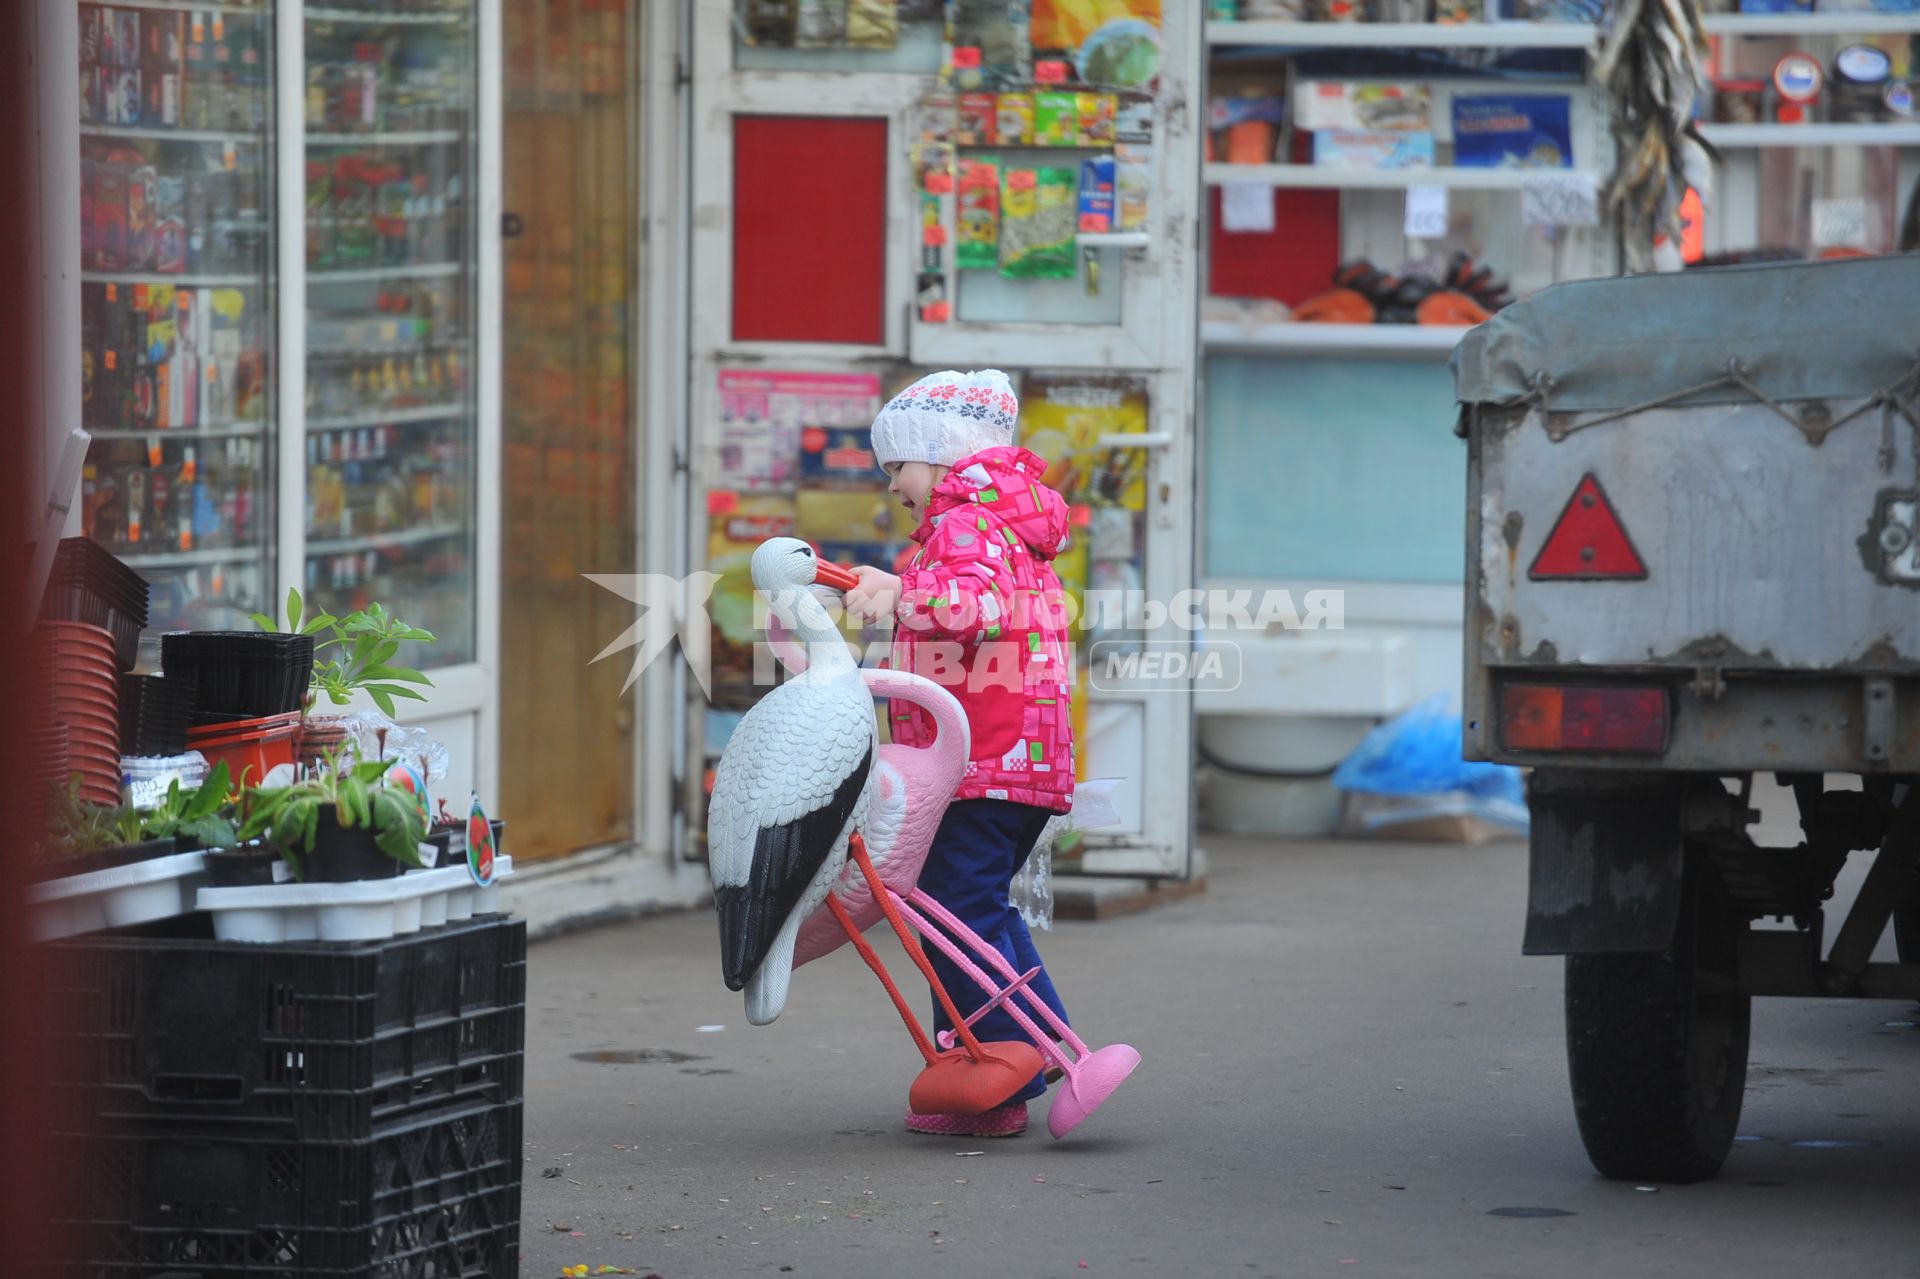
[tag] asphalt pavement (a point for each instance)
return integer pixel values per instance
(1349, 1069)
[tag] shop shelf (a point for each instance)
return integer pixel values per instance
(227, 281)
(195, 6)
(168, 135)
(181, 434)
(377, 541)
(192, 559)
(1809, 24)
(404, 271)
(376, 17)
(1734, 136)
(1403, 35)
(1419, 340)
(387, 417)
(307, 1041)
(1328, 176)
(424, 138)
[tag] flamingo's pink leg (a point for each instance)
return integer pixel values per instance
(951, 923)
(979, 974)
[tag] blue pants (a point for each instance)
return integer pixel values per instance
(980, 846)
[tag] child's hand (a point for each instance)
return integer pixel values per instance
(876, 595)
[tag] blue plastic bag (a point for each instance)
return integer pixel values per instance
(1418, 753)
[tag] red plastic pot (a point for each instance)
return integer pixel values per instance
(252, 748)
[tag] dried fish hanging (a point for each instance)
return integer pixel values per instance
(1652, 68)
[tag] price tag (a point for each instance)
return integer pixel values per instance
(1840, 224)
(939, 182)
(722, 502)
(1022, 180)
(1247, 207)
(1426, 213)
(934, 235)
(966, 55)
(1050, 72)
(1559, 198)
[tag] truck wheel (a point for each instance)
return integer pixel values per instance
(1659, 1068)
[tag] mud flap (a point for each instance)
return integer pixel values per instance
(1605, 864)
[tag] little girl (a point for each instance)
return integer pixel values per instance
(980, 611)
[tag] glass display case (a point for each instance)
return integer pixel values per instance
(390, 406)
(179, 388)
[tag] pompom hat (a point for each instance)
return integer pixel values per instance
(946, 416)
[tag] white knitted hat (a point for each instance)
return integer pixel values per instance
(946, 416)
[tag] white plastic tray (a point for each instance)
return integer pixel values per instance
(368, 910)
(120, 896)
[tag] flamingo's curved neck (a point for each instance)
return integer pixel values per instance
(949, 720)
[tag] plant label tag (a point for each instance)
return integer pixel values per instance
(1563, 197)
(1426, 213)
(480, 848)
(1840, 224)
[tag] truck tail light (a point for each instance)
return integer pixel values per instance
(1558, 717)
(1588, 541)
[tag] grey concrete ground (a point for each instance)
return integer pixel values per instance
(1348, 1067)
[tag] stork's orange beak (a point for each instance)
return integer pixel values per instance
(838, 576)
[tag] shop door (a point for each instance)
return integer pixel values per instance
(837, 166)
(570, 496)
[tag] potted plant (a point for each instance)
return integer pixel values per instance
(339, 824)
(355, 653)
(83, 837)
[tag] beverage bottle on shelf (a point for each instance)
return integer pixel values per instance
(243, 512)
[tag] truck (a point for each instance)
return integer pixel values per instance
(1693, 560)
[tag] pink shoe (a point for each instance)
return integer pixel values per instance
(1002, 1121)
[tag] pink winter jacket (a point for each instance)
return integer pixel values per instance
(982, 613)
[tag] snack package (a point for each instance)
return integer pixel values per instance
(872, 24)
(820, 24)
(1036, 224)
(1056, 119)
(1133, 185)
(978, 120)
(979, 215)
(1096, 113)
(769, 23)
(836, 458)
(1063, 420)
(989, 43)
(1013, 121)
(1522, 130)
(1372, 149)
(170, 225)
(1369, 105)
(1096, 194)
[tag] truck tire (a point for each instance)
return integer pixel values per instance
(1659, 1069)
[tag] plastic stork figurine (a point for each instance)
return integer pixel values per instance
(790, 792)
(910, 790)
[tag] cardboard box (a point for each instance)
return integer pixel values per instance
(1372, 149)
(1379, 105)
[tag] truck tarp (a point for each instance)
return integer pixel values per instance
(1800, 330)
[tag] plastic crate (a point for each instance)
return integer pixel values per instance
(307, 1040)
(431, 1198)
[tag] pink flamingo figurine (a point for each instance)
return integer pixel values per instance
(908, 795)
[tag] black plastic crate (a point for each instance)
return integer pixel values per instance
(240, 674)
(318, 1041)
(155, 713)
(436, 1197)
(88, 583)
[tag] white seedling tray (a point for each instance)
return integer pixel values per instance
(367, 910)
(138, 893)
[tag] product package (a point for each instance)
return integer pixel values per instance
(1512, 131)
(1064, 420)
(1133, 185)
(1056, 119)
(769, 23)
(1372, 149)
(1013, 121)
(872, 24)
(864, 516)
(978, 121)
(979, 215)
(1096, 194)
(1036, 224)
(736, 525)
(1244, 129)
(989, 42)
(1096, 118)
(838, 457)
(820, 24)
(1367, 105)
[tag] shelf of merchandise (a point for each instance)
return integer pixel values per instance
(423, 138)
(376, 17)
(162, 134)
(1332, 339)
(195, 6)
(387, 417)
(415, 271)
(1330, 176)
(160, 277)
(380, 541)
(1809, 24)
(192, 559)
(1403, 35)
(1811, 135)
(182, 434)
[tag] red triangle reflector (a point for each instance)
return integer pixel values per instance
(1588, 541)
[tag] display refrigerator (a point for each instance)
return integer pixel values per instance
(887, 188)
(285, 271)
